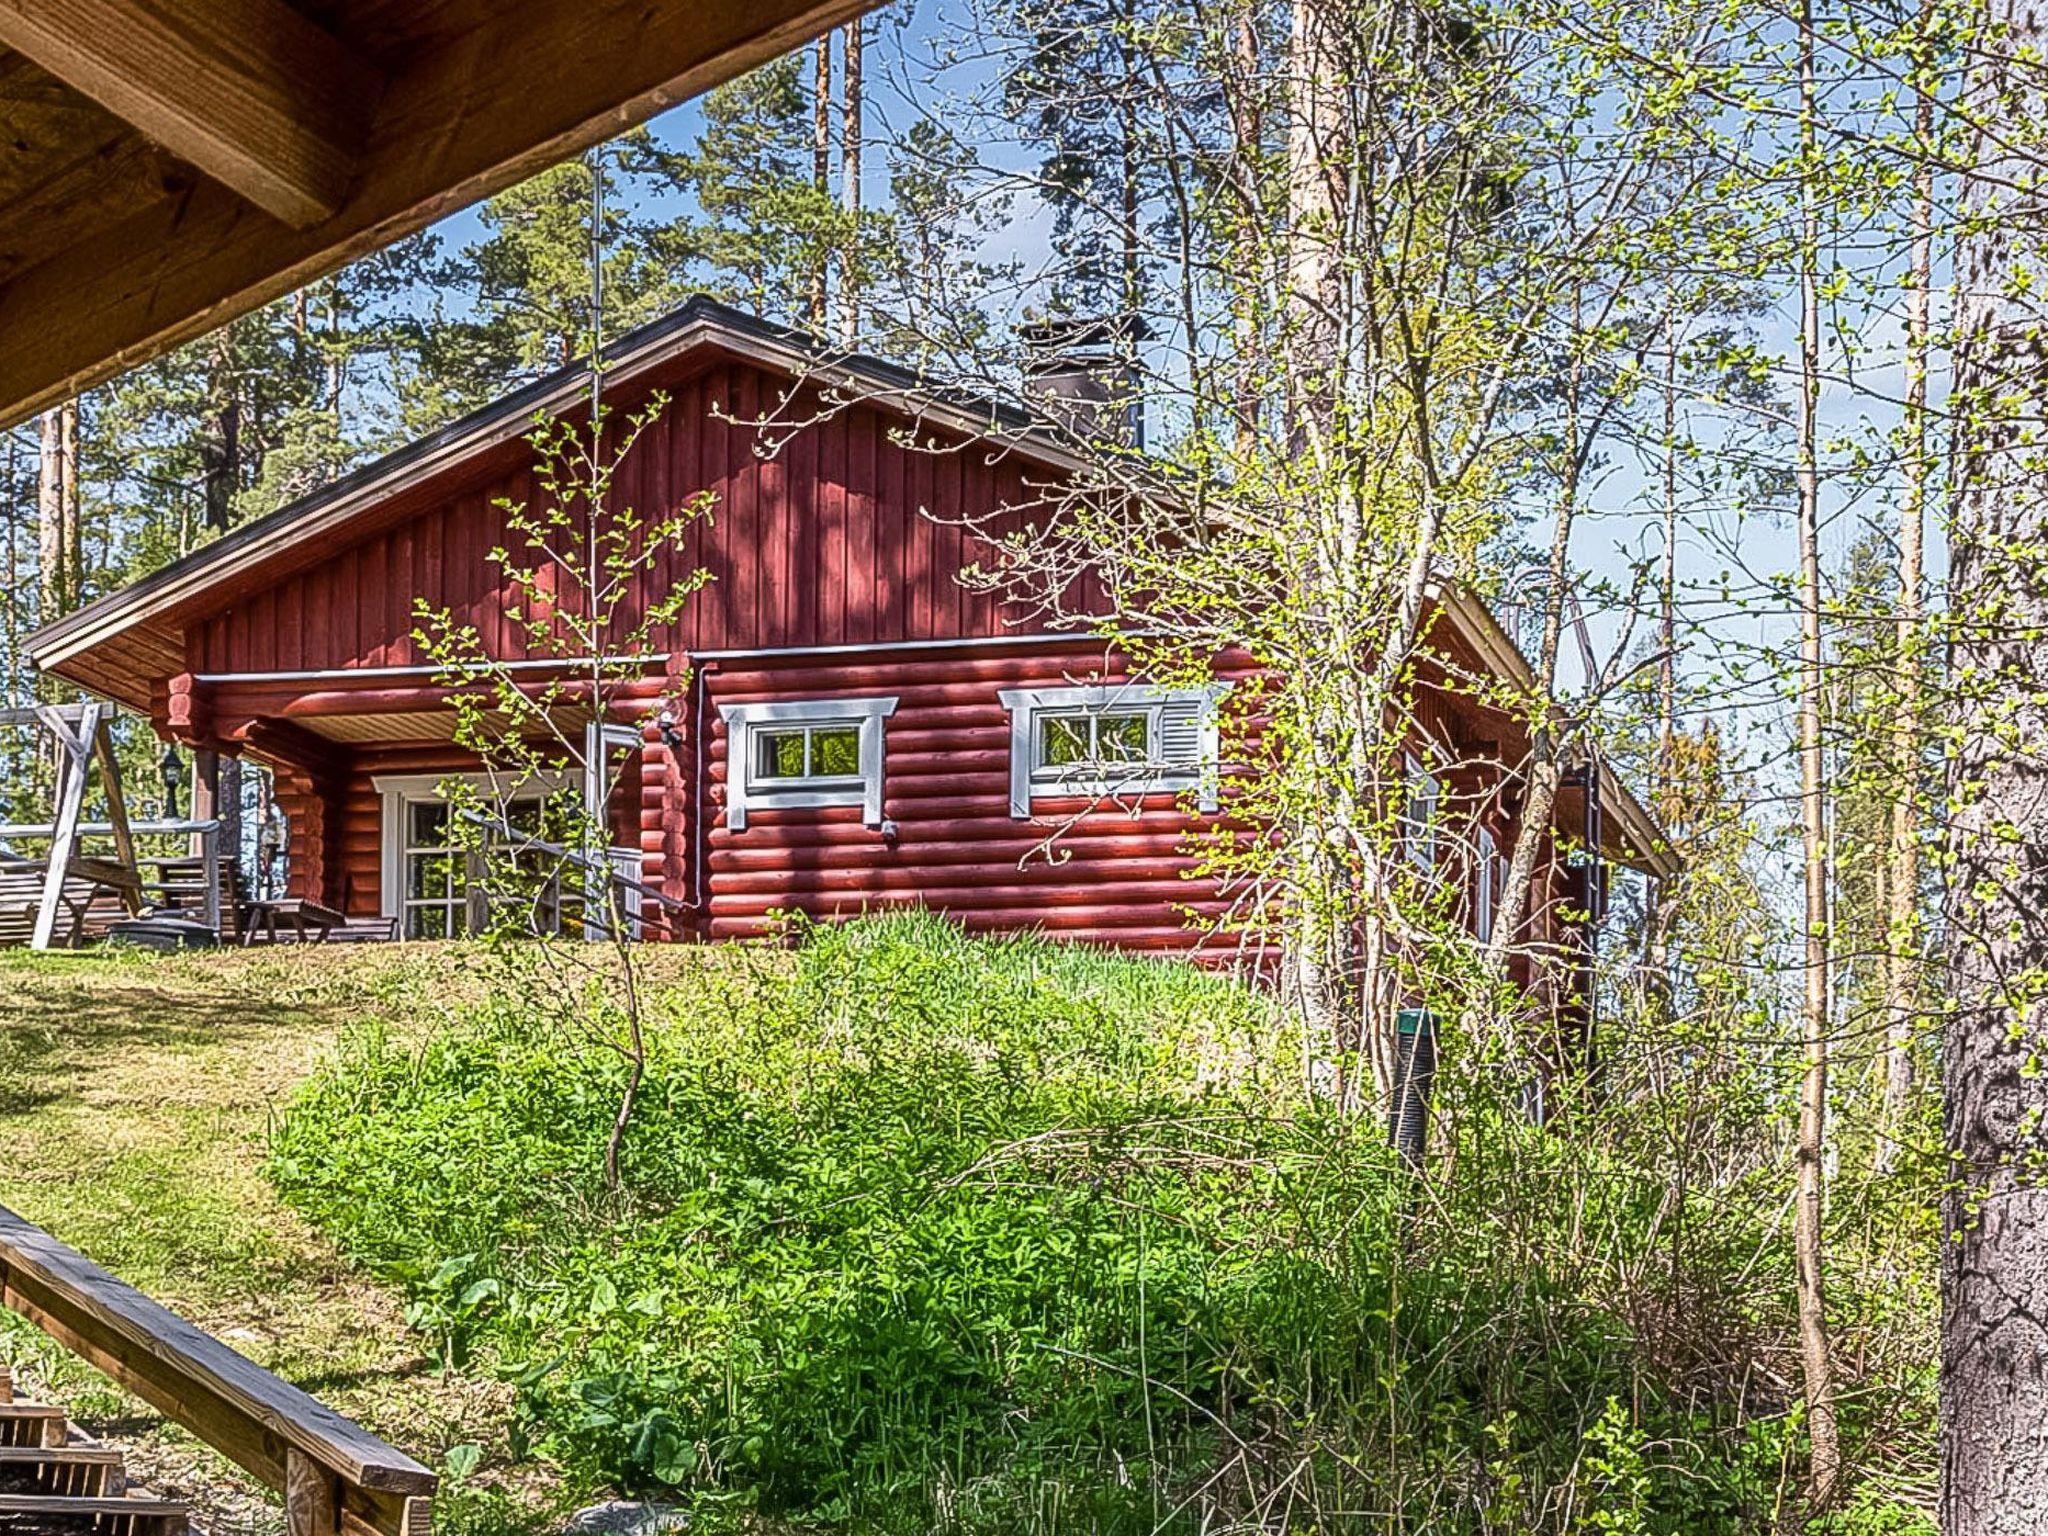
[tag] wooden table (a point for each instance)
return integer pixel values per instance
(310, 921)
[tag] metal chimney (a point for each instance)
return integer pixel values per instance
(1083, 374)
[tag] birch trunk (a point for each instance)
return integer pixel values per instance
(1808, 1211)
(1902, 938)
(50, 542)
(1317, 186)
(1994, 1281)
(1663, 899)
(72, 517)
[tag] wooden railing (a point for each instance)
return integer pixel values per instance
(337, 1478)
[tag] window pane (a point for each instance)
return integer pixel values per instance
(779, 754)
(1063, 741)
(1418, 816)
(1122, 739)
(426, 923)
(428, 821)
(835, 751)
(430, 875)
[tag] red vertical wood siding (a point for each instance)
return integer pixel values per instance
(824, 543)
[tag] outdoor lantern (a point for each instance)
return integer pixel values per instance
(172, 767)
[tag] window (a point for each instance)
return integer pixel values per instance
(1091, 744)
(436, 899)
(1417, 824)
(433, 876)
(1486, 886)
(1129, 740)
(802, 753)
(808, 752)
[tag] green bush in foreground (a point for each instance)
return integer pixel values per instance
(929, 1233)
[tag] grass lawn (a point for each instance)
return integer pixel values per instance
(136, 1092)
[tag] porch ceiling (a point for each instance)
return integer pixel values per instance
(172, 166)
(430, 726)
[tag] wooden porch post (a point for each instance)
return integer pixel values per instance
(205, 790)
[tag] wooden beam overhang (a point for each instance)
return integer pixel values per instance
(326, 763)
(462, 114)
(249, 91)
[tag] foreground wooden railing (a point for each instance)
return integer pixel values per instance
(336, 1477)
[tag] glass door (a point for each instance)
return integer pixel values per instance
(449, 888)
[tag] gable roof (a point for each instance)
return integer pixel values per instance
(701, 322)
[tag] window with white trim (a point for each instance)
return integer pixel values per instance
(1420, 793)
(798, 753)
(435, 880)
(1486, 885)
(1100, 741)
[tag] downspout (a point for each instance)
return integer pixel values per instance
(700, 800)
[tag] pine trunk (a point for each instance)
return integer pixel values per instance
(821, 167)
(1994, 1280)
(221, 454)
(1247, 131)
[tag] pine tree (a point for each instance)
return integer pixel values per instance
(765, 231)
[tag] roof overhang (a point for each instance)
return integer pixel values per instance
(1641, 843)
(175, 165)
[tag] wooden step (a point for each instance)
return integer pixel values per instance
(72, 1471)
(32, 1424)
(55, 1481)
(31, 1514)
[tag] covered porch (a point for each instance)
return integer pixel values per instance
(363, 763)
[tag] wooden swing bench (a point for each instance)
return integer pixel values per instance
(83, 897)
(37, 893)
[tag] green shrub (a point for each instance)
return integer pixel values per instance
(922, 1232)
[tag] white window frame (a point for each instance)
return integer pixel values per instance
(1030, 707)
(1484, 897)
(1418, 837)
(398, 792)
(744, 793)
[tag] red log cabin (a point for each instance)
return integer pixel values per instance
(834, 724)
